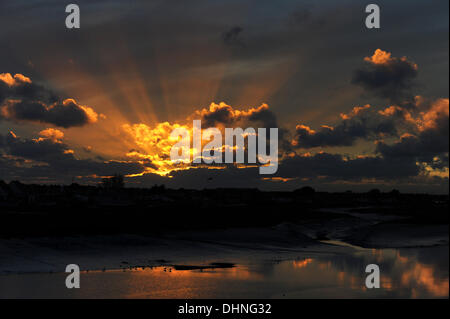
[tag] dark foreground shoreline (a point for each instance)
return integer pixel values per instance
(223, 243)
(45, 227)
(58, 211)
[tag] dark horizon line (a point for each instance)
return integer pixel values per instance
(297, 190)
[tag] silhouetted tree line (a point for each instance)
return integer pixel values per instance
(112, 192)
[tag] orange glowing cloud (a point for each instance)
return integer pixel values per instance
(51, 134)
(92, 116)
(422, 121)
(381, 57)
(354, 112)
(154, 144)
(428, 119)
(306, 128)
(23, 100)
(14, 80)
(222, 114)
(390, 111)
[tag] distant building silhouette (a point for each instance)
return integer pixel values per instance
(114, 182)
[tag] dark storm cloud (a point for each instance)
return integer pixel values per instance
(321, 169)
(23, 100)
(21, 87)
(363, 123)
(338, 167)
(222, 114)
(256, 117)
(387, 77)
(422, 125)
(51, 158)
(429, 140)
(341, 136)
(441, 162)
(65, 114)
(231, 37)
(225, 114)
(425, 146)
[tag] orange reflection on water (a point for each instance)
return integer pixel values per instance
(401, 276)
(234, 272)
(424, 275)
(166, 282)
(302, 263)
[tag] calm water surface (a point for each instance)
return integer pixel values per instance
(405, 273)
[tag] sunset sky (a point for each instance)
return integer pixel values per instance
(356, 108)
